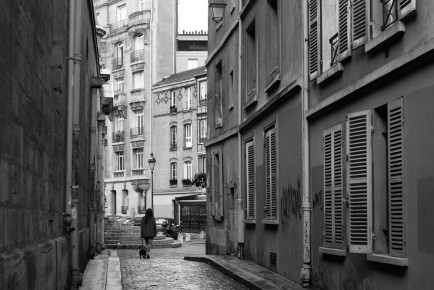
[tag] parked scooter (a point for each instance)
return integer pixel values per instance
(171, 231)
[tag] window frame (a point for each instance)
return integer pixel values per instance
(173, 137)
(270, 158)
(173, 170)
(188, 137)
(138, 82)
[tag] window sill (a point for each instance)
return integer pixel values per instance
(252, 222)
(251, 103)
(331, 251)
(218, 124)
(386, 259)
(330, 74)
(389, 35)
(270, 222)
(272, 84)
(187, 147)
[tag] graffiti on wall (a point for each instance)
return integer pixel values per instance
(291, 200)
(317, 200)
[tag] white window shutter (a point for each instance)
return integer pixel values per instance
(313, 38)
(333, 207)
(359, 181)
(395, 177)
(250, 178)
(267, 177)
(359, 26)
(273, 171)
(406, 8)
(344, 29)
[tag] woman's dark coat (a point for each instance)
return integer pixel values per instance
(149, 229)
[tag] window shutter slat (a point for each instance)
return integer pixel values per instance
(360, 22)
(328, 193)
(250, 165)
(313, 38)
(344, 30)
(273, 172)
(337, 188)
(268, 176)
(406, 8)
(221, 196)
(395, 178)
(359, 182)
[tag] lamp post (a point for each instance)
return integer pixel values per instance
(151, 162)
(217, 10)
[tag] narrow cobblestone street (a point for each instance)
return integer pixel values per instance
(167, 269)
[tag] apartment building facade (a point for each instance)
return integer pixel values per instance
(138, 49)
(370, 68)
(179, 132)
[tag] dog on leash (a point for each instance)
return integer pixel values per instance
(142, 252)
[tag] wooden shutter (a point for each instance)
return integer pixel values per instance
(313, 38)
(359, 22)
(359, 182)
(216, 182)
(406, 8)
(250, 178)
(344, 30)
(395, 178)
(221, 195)
(333, 208)
(271, 174)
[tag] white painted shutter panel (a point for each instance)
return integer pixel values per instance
(344, 29)
(333, 207)
(313, 38)
(221, 200)
(359, 22)
(267, 177)
(273, 172)
(406, 8)
(250, 177)
(395, 178)
(359, 182)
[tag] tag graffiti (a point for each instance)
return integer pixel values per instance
(292, 200)
(317, 200)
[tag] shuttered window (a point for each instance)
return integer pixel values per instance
(333, 183)
(250, 180)
(344, 30)
(271, 174)
(395, 178)
(359, 21)
(406, 8)
(217, 189)
(359, 181)
(313, 38)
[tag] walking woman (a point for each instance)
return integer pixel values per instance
(148, 229)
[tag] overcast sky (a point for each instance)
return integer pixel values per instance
(193, 15)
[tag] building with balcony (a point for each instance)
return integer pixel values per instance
(138, 50)
(179, 129)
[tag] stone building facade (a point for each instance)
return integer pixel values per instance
(38, 247)
(179, 133)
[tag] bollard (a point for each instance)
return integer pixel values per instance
(187, 237)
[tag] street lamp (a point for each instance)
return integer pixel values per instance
(217, 10)
(151, 162)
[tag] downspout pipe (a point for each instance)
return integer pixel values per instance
(240, 205)
(306, 270)
(76, 279)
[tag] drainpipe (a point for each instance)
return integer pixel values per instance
(76, 275)
(100, 182)
(240, 206)
(307, 206)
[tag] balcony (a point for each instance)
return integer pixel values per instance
(137, 55)
(119, 173)
(136, 132)
(137, 171)
(173, 182)
(141, 209)
(202, 108)
(119, 100)
(139, 17)
(173, 147)
(201, 149)
(117, 63)
(118, 26)
(124, 209)
(118, 136)
(173, 109)
(186, 182)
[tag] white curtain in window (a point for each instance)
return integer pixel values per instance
(187, 170)
(138, 80)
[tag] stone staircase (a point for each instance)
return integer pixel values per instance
(121, 234)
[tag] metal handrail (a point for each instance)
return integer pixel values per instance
(137, 55)
(118, 25)
(334, 44)
(136, 132)
(118, 136)
(390, 13)
(118, 63)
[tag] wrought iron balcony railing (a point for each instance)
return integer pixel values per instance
(118, 136)
(118, 26)
(140, 17)
(124, 209)
(136, 132)
(173, 181)
(137, 171)
(173, 147)
(137, 55)
(390, 13)
(118, 63)
(172, 109)
(119, 174)
(334, 45)
(186, 182)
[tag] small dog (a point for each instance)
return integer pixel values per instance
(142, 252)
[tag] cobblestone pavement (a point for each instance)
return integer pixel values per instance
(167, 269)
